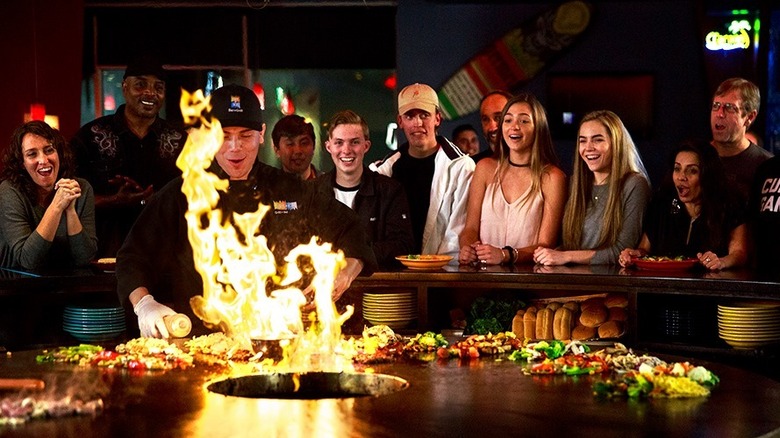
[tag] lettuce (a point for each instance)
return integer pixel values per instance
(491, 316)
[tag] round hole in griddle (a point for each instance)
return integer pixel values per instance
(315, 385)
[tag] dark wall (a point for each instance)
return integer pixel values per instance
(56, 26)
(434, 39)
(659, 37)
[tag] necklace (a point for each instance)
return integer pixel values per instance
(517, 165)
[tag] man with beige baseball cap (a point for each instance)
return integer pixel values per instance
(429, 161)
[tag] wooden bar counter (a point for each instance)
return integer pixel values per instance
(484, 397)
(644, 290)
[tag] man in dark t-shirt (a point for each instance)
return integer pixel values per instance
(734, 108)
(412, 172)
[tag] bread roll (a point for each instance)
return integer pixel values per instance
(593, 316)
(617, 314)
(592, 302)
(517, 324)
(544, 324)
(611, 329)
(573, 306)
(562, 323)
(581, 333)
(554, 306)
(616, 300)
(529, 323)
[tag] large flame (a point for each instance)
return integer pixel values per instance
(236, 263)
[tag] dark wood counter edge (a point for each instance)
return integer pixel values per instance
(739, 283)
(83, 281)
(719, 284)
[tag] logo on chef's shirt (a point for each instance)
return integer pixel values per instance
(235, 105)
(284, 207)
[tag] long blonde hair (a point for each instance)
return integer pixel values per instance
(625, 163)
(542, 149)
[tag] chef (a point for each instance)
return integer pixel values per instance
(156, 259)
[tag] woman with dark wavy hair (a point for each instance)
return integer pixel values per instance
(696, 213)
(48, 217)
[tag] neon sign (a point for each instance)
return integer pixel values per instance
(738, 38)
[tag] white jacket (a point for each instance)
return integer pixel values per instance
(449, 195)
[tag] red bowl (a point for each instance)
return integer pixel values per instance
(665, 265)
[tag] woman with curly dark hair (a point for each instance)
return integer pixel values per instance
(48, 216)
(696, 213)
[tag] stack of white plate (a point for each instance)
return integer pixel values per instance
(749, 324)
(396, 310)
(94, 324)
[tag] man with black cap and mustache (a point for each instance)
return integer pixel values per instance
(128, 155)
(156, 260)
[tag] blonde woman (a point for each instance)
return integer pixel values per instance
(515, 201)
(607, 199)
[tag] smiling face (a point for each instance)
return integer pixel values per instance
(518, 127)
(686, 177)
(295, 153)
(490, 117)
(239, 151)
(595, 148)
(144, 95)
(729, 127)
(347, 146)
(41, 160)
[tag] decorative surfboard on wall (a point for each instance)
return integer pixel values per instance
(514, 58)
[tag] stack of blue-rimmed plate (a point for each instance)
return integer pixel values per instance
(94, 324)
(395, 310)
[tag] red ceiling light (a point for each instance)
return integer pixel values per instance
(260, 93)
(391, 81)
(37, 111)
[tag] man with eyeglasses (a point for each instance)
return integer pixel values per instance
(128, 155)
(734, 108)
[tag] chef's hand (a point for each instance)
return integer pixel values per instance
(346, 276)
(150, 317)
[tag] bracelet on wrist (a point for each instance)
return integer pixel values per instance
(510, 255)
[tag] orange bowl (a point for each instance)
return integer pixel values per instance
(105, 264)
(424, 261)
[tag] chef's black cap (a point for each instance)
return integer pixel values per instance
(234, 105)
